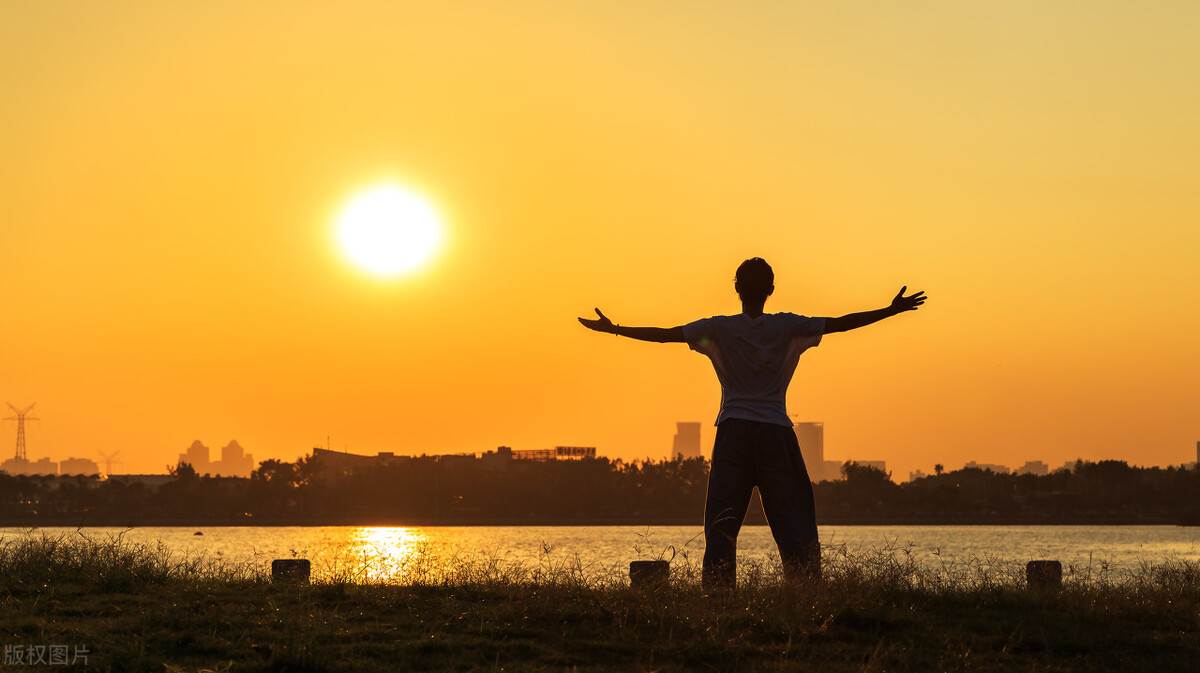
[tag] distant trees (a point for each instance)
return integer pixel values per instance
(1101, 492)
(426, 490)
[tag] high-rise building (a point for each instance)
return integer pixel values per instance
(235, 462)
(687, 440)
(232, 452)
(811, 437)
(197, 456)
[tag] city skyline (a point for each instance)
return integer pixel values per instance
(688, 441)
(151, 464)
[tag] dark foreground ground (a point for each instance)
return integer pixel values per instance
(138, 610)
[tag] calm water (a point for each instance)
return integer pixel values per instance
(383, 552)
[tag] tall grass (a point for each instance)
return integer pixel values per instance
(107, 563)
(112, 562)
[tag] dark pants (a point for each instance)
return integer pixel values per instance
(748, 454)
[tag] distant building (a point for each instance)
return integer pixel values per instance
(197, 456)
(916, 474)
(811, 438)
(84, 466)
(500, 459)
(557, 453)
(342, 461)
(1034, 467)
(687, 440)
(574, 452)
(235, 462)
(23, 467)
(987, 467)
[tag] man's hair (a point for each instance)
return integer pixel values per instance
(754, 280)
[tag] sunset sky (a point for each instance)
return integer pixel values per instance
(171, 173)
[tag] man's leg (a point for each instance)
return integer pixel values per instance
(787, 498)
(729, 485)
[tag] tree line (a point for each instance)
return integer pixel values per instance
(433, 490)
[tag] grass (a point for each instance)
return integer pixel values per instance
(139, 608)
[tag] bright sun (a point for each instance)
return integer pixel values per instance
(388, 230)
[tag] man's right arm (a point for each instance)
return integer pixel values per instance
(655, 334)
(662, 335)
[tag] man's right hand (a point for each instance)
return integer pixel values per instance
(601, 324)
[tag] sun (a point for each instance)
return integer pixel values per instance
(388, 230)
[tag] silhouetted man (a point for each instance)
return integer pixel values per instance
(755, 354)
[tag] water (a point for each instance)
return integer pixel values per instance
(381, 552)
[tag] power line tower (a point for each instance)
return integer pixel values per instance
(108, 461)
(22, 415)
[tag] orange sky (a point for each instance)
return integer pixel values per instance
(171, 172)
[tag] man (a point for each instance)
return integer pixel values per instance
(755, 354)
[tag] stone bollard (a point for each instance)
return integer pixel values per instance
(1043, 574)
(291, 570)
(646, 574)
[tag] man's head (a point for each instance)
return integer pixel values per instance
(754, 280)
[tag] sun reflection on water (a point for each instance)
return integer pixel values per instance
(384, 553)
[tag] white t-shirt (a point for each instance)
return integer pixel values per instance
(754, 359)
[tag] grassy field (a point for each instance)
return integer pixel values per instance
(137, 608)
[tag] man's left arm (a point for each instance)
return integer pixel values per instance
(900, 304)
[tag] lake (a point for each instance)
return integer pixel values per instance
(384, 552)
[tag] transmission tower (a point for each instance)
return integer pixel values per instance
(108, 461)
(20, 418)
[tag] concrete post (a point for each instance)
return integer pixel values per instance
(643, 574)
(291, 570)
(1043, 574)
